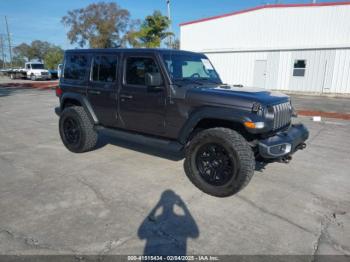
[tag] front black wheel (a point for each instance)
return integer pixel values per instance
(219, 161)
(76, 130)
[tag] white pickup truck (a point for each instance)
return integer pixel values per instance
(31, 70)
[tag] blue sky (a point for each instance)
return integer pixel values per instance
(40, 19)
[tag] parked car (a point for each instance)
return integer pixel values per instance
(176, 100)
(53, 74)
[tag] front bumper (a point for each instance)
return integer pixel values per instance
(284, 143)
(40, 77)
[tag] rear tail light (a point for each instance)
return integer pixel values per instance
(58, 91)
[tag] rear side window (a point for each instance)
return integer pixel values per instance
(105, 68)
(76, 67)
(137, 68)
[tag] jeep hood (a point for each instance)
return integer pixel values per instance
(235, 96)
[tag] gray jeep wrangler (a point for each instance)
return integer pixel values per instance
(176, 100)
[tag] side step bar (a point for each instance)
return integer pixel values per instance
(162, 144)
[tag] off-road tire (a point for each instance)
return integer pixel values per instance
(88, 136)
(33, 77)
(238, 151)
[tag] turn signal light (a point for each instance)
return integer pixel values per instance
(252, 125)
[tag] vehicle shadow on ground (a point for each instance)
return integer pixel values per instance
(104, 140)
(168, 227)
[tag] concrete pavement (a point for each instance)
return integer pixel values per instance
(122, 199)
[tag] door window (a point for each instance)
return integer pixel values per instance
(137, 68)
(105, 69)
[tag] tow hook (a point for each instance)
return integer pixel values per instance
(286, 159)
(302, 146)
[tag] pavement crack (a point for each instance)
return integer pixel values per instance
(96, 192)
(320, 238)
(251, 203)
(325, 237)
(311, 140)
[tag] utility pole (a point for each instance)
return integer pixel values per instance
(9, 40)
(170, 25)
(2, 51)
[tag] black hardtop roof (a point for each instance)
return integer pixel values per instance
(129, 50)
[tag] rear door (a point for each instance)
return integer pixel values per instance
(142, 108)
(102, 89)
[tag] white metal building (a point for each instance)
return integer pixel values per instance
(304, 47)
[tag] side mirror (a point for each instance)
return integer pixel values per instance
(154, 80)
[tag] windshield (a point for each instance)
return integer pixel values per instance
(37, 66)
(190, 67)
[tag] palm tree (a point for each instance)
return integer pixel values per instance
(151, 32)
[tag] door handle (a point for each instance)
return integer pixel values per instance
(126, 96)
(94, 92)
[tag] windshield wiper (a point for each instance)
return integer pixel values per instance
(212, 81)
(189, 80)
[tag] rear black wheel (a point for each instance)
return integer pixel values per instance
(219, 161)
(76, 130)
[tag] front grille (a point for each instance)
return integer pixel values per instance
(283, 115)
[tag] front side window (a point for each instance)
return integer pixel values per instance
(190, 66)
(137, 68)
(105, 68)
(76, 67)
(299, 68)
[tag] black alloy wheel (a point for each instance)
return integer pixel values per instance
(214, 164)
(71, 131)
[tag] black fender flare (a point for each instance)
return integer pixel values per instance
(227, 114)
(84, 102)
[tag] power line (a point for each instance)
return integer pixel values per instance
(9, 40)
(2, 51)
(170, 22)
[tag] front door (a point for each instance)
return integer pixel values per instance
(259, 73)
(102, 88)
(142, 108)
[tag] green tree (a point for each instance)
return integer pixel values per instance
(152, 31)
(53, 57)
(101, 25)
(24, 51)
(39, 49)
(36, 50)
